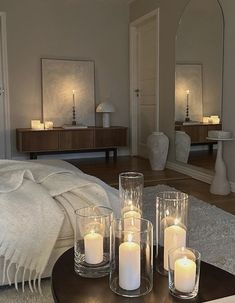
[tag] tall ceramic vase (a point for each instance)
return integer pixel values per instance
(158, 145)
(182, 146)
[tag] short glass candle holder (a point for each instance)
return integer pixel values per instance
(130, 193)
(184, 272)
(92, 241)
(131, 272)
(171, 225)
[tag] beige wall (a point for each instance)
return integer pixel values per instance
(170, 12)
(81, 29)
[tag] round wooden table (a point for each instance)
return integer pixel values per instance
(68, 287)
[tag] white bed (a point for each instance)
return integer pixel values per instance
(65, 239)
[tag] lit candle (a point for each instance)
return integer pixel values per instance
(48, 124)
(129, 265)
(187, 94)
(184, 275)
(130, 217)
(73, 98)
(174, 237)
(36, 124)
(93, 243)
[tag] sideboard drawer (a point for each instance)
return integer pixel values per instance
(108, 137)
(76, 139)
(38, 141)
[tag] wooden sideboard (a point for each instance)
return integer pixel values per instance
(199, 132)
(59, 140)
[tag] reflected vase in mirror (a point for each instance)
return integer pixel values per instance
(157, 144)
(198, 78)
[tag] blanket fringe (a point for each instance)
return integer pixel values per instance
(34, 279)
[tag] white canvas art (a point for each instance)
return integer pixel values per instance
(60, 78)
(188, 77)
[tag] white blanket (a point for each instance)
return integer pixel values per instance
(31, 219)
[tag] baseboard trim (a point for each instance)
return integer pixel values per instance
(232, 187)
(201, 175)
(190, 171)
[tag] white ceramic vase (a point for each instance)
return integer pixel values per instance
(158, 145)
(182, 146)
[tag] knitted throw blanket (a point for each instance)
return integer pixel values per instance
(31, 219)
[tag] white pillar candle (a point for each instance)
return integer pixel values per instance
(185, 275)
(36, 124)
(93, 243)
(129, 265)
(174, 237)
(48, 124)
(130, 217)
(73, 98)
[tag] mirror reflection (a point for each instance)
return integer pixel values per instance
(198, 82)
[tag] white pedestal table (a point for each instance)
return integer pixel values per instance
(220, 184)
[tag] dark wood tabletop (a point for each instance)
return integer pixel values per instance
(68, 287)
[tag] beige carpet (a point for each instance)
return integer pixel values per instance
(10, 295)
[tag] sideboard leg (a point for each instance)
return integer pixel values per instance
(107, 154)
(210, 148)
(33, 156)
(115, 154)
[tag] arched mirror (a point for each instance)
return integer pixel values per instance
(198, 82)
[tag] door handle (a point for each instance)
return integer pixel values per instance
(137, 91)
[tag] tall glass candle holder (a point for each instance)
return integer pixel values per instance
(130, 194)
(131, 273)
(171, 225)
(184, 272)
(92, 241)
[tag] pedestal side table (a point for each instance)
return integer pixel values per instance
(220, 184)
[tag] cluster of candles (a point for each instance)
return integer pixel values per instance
(38, 125)
(183, 266)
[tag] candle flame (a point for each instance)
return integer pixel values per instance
(185, 260)
(73, 91)
(177, 221)
(187, 91)
(129, 203)
(129, 237)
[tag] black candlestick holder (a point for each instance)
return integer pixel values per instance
(74, 116)
(187, 119)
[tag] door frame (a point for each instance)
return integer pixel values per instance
(6, 101)
(133, 77)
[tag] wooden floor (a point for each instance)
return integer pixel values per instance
(108, 171)
(203, 158)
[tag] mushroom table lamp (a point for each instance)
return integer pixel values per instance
(105, 108)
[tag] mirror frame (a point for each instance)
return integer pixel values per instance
(190, 166)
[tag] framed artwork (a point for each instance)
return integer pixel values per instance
(68, 83)
(188, 88)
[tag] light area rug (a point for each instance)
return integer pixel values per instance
(211, 231)
(10, 295)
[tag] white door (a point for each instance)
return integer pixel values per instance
(4, 108)
(144, 84)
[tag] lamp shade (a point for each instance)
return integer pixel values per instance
(105, 107)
